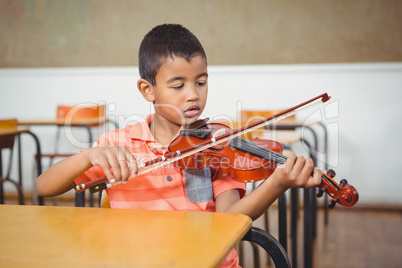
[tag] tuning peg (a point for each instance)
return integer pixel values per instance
(320, 191)
(331, 173)
(332, 203)
(343, 182)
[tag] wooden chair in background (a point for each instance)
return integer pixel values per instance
(283, 136)
(82, 117)
(87, 117)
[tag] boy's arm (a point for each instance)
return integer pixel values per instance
(294, 173)
(60, 177)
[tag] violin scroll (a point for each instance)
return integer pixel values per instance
(348, 196)
(342, 193)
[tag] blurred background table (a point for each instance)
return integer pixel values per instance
(9, 133)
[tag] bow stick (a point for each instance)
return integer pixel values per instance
(102, 183)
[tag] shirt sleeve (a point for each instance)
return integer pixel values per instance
(226, 183)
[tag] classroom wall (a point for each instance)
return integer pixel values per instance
(363, 117)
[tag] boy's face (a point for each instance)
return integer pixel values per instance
(181, 89)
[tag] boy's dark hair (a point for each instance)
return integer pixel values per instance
(165, 41)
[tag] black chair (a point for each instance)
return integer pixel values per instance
(270, 245)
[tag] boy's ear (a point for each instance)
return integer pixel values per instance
(146, 89)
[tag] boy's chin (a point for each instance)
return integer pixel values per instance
(191, 120)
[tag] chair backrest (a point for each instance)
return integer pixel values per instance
(74, 113)
(248, 117)
(7, 141)
(270, 245)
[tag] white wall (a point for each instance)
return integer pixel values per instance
(363, 117)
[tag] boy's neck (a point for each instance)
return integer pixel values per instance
(163, 134)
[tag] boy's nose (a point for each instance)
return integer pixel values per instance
(192, 94)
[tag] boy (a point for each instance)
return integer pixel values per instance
(174, 77)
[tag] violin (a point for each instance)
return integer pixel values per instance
(214, 145)
(250, 161)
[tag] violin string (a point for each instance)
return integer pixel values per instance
(258, 150)
(271, 155)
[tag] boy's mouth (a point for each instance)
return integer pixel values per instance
(192, 111)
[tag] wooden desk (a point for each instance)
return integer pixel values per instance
(33, 236)
(63, 122)
(85, 123)
(12, 131)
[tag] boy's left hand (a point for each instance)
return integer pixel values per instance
(296, 173)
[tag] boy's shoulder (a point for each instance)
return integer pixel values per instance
(135, 131)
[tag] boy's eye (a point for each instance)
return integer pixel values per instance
(201, 84)
(178, 86)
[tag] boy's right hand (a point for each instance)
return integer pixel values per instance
(118, 163)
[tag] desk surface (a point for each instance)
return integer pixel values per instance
(10, 131)
(100, 237)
